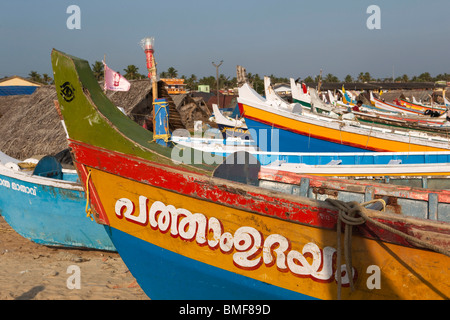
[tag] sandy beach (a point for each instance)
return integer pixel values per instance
(29, 271)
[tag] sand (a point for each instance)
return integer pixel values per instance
(29, 271)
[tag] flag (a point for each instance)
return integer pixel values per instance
(114, 81)
(305, 91)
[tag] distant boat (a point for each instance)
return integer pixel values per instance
(421, 107)
(46, 204)
(293, 132)
(404, 108)
(230, 128)
(300, 94)
(408, 165)
(191, 231)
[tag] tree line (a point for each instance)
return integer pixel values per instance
(131, 72)
(366, 77)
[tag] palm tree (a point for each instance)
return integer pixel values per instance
(172, 72)
(131, 72)
(348, 79)
(331, 78)
(34, 76)
(97, 70)
(191, 82)
(46, 79)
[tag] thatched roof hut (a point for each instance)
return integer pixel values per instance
(30, 124)
(137, 103)
(191, 109)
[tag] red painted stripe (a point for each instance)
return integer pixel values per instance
(198, 186)
(320, 181)
(286, 207)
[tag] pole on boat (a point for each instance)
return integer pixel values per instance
(217, 79)
(161, 132)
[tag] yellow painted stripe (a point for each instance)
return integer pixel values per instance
(405, 272)
(330, 133)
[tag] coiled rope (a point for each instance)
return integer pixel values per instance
(354, 213)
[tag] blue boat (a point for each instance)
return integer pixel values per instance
(226, 147)
(276, 129)
(46, 204)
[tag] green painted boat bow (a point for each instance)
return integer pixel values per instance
(81, 97)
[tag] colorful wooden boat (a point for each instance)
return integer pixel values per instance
(289, 132)
(377, 116)
(421, 107)
(411, 168)
(185, 233)
(439, 126)
(426, 165)
(300, 94)
(430, 202)
(47, 205)
(230, 128)
(407, 109)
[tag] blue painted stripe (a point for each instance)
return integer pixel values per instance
(350, 158)
(163, 274)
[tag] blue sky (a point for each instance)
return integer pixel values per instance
(285, 38)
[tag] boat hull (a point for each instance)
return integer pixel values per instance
(224, 250)
(299, 134)
(50, 214)
(274, 139)
(187, 278)
(238, 231)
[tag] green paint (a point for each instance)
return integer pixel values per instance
(90, 117)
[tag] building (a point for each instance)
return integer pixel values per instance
(204, 88)
(282, 88)
(16, 85)
(175, 86)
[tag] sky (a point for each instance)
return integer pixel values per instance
(284, 38)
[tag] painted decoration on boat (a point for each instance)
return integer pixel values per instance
(186, 234)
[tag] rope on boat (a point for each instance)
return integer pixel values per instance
(88, 210)
(347, 215)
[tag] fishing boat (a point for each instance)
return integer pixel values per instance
(345, 164)
(187, 232)
(47, 205)
(290, 132)
(230, 128)
(214, 145)
(300, 94)
(439, 109)
(406, 109)
(440, 126)
(425, 174)
(429, 201)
